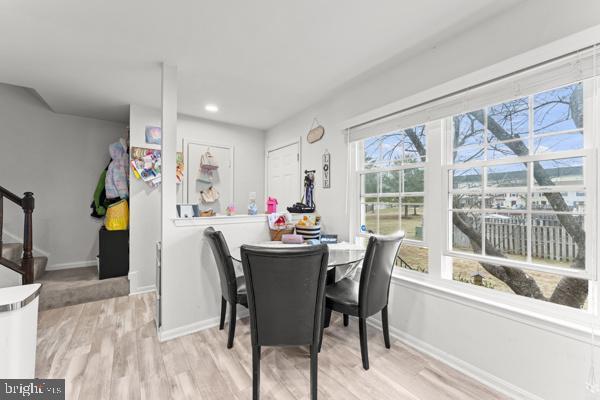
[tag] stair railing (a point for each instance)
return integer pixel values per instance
(27, 203)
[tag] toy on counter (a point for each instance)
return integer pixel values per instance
(279, 225)
(307, 203)
(308, 228)
(271, 205)
(292, 239)
(252, 209)
(281, 221)
(305, 221)
(231, 209)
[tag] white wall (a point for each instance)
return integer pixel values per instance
(144, 209)
(249, 160)
(501, 350)
(191, 292)
(59, 158)
(538, 22)
(249, 156)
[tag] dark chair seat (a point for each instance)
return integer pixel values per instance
(242, 295)
(343, 296)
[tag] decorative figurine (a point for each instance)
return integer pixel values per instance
(252, 209)
(308, 196)
(231, 209)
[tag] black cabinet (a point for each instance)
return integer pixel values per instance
(114, 253)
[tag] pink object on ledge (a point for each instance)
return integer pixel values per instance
(271, 205)
(292, 239)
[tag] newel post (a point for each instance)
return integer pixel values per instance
(28, 204)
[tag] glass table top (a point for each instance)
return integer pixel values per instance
(344, 257)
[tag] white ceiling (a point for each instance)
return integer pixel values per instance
(260, 61)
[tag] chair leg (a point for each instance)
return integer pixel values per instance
(327, 317)
(386, 327)
(223, 311)
(255, 372)
(314, 365)
(346, 320)
(364, 351)
(232, 325)
(322, 329)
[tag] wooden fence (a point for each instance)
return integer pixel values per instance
(549, 239)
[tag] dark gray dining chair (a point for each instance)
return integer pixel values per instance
(233, 289)
(286, 291)
(369, 296)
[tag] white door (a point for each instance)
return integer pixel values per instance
(283, 175)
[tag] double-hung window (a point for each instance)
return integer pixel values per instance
(520, 178)
(392, 190)
(503, 176)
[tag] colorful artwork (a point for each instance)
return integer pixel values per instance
(146, 165)
(179, 170)
(153, 135)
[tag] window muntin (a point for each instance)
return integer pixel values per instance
(550, 133)
(392, 194)
(519, 200)
(558, 110)
(393, 149)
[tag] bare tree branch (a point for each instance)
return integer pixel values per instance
(569, 291)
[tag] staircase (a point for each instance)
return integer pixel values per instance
(23, 265)
(14, 251)
(67, 287)
(60, 288)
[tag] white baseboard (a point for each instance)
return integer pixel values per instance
(165, 335)
(492, 381)
(70, 265)
(133, 282)
(134, 287)
(142, 289)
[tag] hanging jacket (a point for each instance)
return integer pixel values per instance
(97, 206)
(117, 176)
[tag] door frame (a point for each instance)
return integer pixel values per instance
(279, 146)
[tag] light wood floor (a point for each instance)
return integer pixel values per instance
(109, 350)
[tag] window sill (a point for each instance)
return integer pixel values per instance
(220, 220)
(573, 324)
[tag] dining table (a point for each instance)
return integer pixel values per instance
(343, 262)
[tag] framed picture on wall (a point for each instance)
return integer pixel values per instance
(188, 210)
(153, 134)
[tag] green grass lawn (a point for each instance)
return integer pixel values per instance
(389, 222)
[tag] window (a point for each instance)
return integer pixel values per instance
(498, 187)
(517, 191)
(392, 191)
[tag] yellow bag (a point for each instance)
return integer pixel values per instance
(117, 216)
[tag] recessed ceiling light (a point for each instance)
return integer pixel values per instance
(212, 108)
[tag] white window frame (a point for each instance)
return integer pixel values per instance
(589, 187)
(439, 276)
(360, 171)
